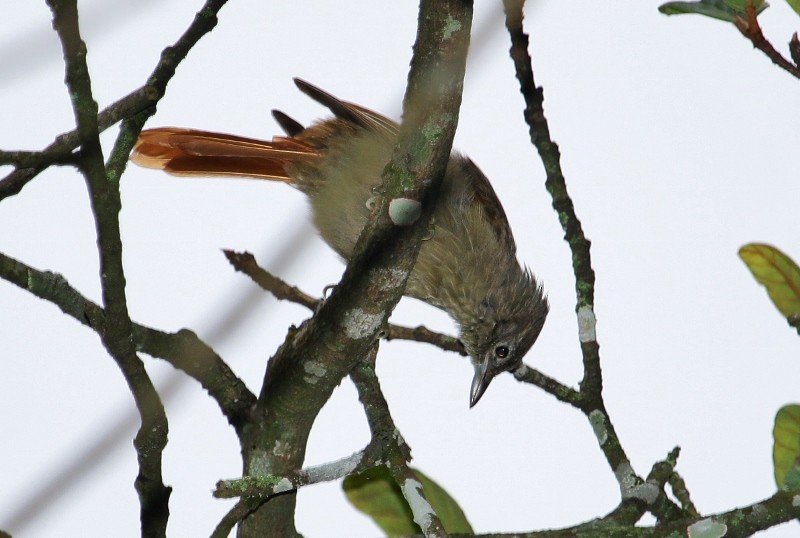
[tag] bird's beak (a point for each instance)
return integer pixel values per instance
(480, 382)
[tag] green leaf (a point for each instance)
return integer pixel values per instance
(375, 493)
(778, 273)
(448, 510)
(791, 482)
(795, 5)
(786, 447)
(741, 5)
(725, 10)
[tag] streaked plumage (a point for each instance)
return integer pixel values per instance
(468, 267)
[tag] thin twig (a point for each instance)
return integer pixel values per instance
(394, 448)
(256, 490)
(751, 29)
(681, 492)
(794, 49)
(246, 263)
(422, 334)
(36, 159)
(138, 101)
(556, 186)
(240, 510)
(60, 151)
(267, 486)
(591, 386)
(562, 392)
(204, 21)
(653, 490)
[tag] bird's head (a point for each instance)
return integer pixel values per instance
(509, 321)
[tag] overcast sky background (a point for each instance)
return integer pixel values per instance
(679, 145)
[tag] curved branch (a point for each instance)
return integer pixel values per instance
(396, 453)
(751, 29)
(246, 263)
(117, 337)
(591, 386)
(184, 350)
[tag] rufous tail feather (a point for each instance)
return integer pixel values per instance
(190, 152)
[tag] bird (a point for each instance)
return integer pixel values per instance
(467, 266)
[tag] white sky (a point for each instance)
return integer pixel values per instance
(679, 145)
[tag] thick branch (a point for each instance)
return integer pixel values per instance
(302, 375)
(738, 523)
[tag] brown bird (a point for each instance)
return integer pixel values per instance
(468, 267)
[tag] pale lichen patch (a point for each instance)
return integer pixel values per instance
(598, 421)
(626, 477)
(758, 512)
(258, 463)
(631, 486)
(283, 485)
(359, 324)
(315, 371)
(587, 324)
(707, 528)
(280, 449)
(420, 507)
(451, 26)
(387, 279)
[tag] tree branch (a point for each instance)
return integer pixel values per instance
(681, 493)
(662, 507)
(562, 392)
(591, 386)
(30, 164)
(184, 350)
(302, 375)
(138, 101)
(269, 485)
(395, 451)
(751, 29)
(204, 21)
(256, 490)
(246, 263)
(118, 335)
(738, 523)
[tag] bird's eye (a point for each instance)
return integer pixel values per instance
(501, 352)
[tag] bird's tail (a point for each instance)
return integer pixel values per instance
(190, 152)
